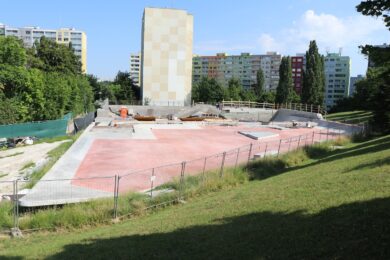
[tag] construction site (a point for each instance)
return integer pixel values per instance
(138, 148)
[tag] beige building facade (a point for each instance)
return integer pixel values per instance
(166, 66)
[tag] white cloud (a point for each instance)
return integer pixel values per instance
(328, 30)
(331, 33)
(268, 43)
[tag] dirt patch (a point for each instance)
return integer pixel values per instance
(13, 160)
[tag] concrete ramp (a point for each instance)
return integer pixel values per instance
(284, 115)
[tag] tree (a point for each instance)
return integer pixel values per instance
(313, 89)
(285, 91)
(376, 8)
(128, 91)
(269, 97)
(56, 57)
(259, 87)
(12, 51)
(208, 91)
(234, 89)
(376, 86)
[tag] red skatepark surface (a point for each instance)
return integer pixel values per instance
(130, 157)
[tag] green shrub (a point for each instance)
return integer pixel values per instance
(294, 158)
(317, 150)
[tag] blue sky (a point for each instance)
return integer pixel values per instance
(114, 27)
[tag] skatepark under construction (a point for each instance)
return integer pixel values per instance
(122, 154)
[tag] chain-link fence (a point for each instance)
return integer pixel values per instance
(120, 195)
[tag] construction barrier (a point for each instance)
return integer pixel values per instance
(82, 122)
(41, 129)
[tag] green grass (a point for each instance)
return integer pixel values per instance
(353, 117)
(54, 139)
(27, 165)
(54, 155)
(11, 155)
(304, 206)
(3, 174)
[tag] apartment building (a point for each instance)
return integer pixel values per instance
(352, 84)
(337, 76)
(244, 67)
(166, 56)
(298, 64)
(135, 68)
(29, 35)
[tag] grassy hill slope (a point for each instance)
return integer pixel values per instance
(336, 207)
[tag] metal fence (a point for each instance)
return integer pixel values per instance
(151, 181)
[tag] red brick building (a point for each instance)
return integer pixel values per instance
(297, 65)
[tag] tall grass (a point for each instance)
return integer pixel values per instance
(6, 218)
(134, 204)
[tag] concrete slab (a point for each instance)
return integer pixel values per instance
(258, 135)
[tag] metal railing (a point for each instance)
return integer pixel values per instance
(150, 181)
(293, 106)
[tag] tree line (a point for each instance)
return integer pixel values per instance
(45, 82)
(40, 83)
(373, 92)
(209, 90)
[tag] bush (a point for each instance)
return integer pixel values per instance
(317, 150)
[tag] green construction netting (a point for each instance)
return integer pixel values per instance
(42, 129)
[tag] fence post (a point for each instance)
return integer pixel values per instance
(311, 108)
(116, 189)
(280, 143)
(250, 152)
(289, 144)
(265, 152)
(327, 134)
(151, 184)
(222, 164)
(299, 140)
(204, 168)
(238, 153)
(15, 195)
(312, 139)
(183, 168)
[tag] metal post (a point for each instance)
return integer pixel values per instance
(327, 134)
(299, 140)
(151, 183)
(311, 108)
(116, 189)
(17, 204)
(238, 153)
(222, 164)
(250, 152)
(204, 168)
(265, 152)
(14, 200)
(312, 139)
(183, 167)
(280, 142)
